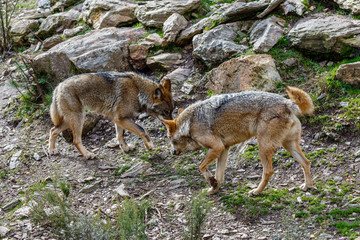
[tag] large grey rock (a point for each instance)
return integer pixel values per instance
(137, 169)
(99, 50)
(22, 28)
(32, 14)
(173, 25)
(226, 13)
(273, 4)
(349, 73)
(51, 42)
(155, 39)
(61, 4)
(266, 33)
(72, 32)
(155, 13)
(293, 7)
(178, 76)
(3, 231)
(214, 46)
(57, 23)
(108, 13)
(138, 54)
(252, 72)
(14, 160)
(10, 205)
(54, 5)
(165, 61)
(326, 34)
(240, 10)
(23, 212)
(351, 5)
(45, 5)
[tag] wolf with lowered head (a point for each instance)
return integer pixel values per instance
(120, 96)
(224, 120)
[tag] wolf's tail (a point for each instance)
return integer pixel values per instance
(302, 99)
(56, 118)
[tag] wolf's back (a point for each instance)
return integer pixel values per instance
(302, 99)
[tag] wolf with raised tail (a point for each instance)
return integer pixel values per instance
(120, 96)
(228, 119)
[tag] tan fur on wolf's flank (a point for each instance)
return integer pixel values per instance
(224, 120)
(118, 96)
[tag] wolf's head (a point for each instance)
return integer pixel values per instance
(179, 139)
(163, 104)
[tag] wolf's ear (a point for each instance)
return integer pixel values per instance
(157, 94)
(167, 84)
(170, 125)
(180, 111)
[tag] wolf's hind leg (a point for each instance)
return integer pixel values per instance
(294, 148)
(120, 137)
(54, 133)
(76, 122)
(131, 126)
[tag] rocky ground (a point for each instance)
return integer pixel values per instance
(263, 56)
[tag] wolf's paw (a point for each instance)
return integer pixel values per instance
(212, 190)
(150, 146)
(90, 155)
(254, 192)
(53, 151)
(127, 148)
(305, 187)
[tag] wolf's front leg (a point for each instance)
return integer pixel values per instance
(131, 126)
(220, 171)
(212, 154)
(120, 137)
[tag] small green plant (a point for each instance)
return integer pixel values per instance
(138, 25)
(51, 206)
(130, 220)
(120, 171)
(196, 213)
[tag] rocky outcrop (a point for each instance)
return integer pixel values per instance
(172, 26)
(165, 61)
(293, 7)
(326, 34)
(55, 5)
(227, 13)
(240, 10)
(108, 13)
(155, 13)
(252, 72)
(273, 4)
(99, 50)
(178, 76)
(21, 30)
(214, 46)
(349, 73)
(51, 42)
(350, 5)
(56, 23)
(266, 33)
